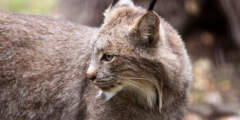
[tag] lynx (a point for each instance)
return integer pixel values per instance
(134, 67)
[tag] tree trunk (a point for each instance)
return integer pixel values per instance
(232, 10)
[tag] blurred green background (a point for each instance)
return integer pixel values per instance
(41, 7)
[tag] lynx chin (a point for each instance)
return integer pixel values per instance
(134, 67)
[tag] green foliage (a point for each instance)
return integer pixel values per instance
(41, 7)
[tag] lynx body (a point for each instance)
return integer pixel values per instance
(135, 67)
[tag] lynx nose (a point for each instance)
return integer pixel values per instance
(91, 76)
(91, 73)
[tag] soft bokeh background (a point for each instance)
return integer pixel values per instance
(210, 29)
(41, 7)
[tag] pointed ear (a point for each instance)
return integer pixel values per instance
(145, 32)
(118, 3)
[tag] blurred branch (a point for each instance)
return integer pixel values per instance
(232, 10)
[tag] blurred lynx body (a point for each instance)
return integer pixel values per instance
(136, 68)
(41, 67)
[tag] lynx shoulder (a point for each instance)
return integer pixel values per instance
(41, 64)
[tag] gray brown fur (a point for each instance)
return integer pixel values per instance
(43, 64)
(41, 67)
(164, 61)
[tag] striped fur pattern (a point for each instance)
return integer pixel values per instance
(148, 63)
(134, 67)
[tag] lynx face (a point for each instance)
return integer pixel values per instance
(131, 52)
(121, 57)
(115, 66)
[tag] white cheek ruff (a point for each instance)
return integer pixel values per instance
(105, 95)
(100, 92)
(108, 95)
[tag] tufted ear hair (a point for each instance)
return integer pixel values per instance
(151, 5)
(145, 33)
(121, 2)
(114, 2)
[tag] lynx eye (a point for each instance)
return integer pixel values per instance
(107, 57)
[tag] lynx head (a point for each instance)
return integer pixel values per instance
(132, 53)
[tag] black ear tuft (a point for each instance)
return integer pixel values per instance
(152, 4)
(114, 2)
